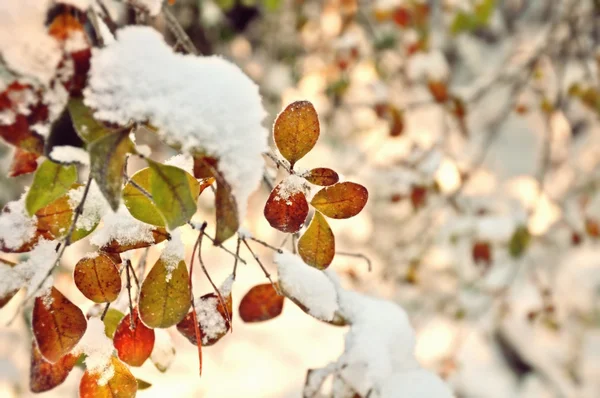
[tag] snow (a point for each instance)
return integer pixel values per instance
(291, 185)
(98, 349)
(416, 383)
(83, 5)
(163, 352)
(94, 209)
(213, 324)
(430, 66)
(244, 233)
(16, 227)
(70, 154)
(311, 287)
(31, 272)
(152, 6)
(123, 228)
(173, 253)
(183, 161)
(202, 105)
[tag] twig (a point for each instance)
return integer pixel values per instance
(142, 262)
(131, 323)
(7, 262)
(178, 31)
(359, 255)
(260, 264)
(105, 311)
(237, 256)
(220, 246)
(194, 315)
(265, 244)
(135, 278)
(279, 162)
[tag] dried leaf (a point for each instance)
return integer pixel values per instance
(134, 344)
(43, 375)
(143, 385)
(322, 176)
(296, 130)
(24, 162)
(98, 278)
(317, 245)
(165, 295)
(141, 206)
(121, 385)
(261, 303)
(58, 325)
(51, 181)
(172, 193)
(286, 211)
(107, 158)
(342, 200)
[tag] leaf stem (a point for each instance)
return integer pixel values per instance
(260, 264)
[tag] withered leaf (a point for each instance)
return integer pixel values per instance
(44, 375)
(322, 176)
(207, 306)
(317, 245)
(98, 278)
(24, 162)
(296, 130)
(342, 200)
(261, 303)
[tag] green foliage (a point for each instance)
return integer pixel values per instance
(519, 242)
(87, 127)
(468, 22)
(51, 181)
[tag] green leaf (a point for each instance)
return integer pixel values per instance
(51, 181)
(172, 194)
(165, 295)
(519, 241)
(271, 5)
(111, 321)
(86, 126)
(226, 213)
(140, 205)
(142, 385)
(484, 10)
(107, 158)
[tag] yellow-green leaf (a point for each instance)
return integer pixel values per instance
(122, 384)
(107, 158)
(296, 130)
(111, 321)
(172, 193)
(342, 200)
(226, 213)
(317, 245)
(140, 205)
(51, 181)
(165, 295)
(87, 127)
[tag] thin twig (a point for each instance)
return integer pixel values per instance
(260, 264)
(220, 246)
(131, 323)
(194, 314)
(265, 244)
(142, 262)
(237, 256)
(359, 255)
(105, 311)
(135, 278)
(7, 262)
(178, 31)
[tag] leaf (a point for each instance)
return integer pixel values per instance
(141, 206)
(226, 213)
(87, 127)
(165, 294)
(296, 130)
(342, 200)
(24, 162)
(58, 325)
(158, 234)
(121, 385)
(286, 211)
(519, 242)
(43, 375)
(172, 194)
(207, 307)
(317, 245)
(51, 181)
(98, 278)
(111, 321)
(142, 385)
(322, 176)
(107, 159)
(261, 303)
(134, 344)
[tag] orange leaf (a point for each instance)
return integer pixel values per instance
(286, 211)
(58, 325)
(317, 245)
(296, 130)
(159, 234)
(121, 385)
(342, 200)
(24, 162)
(322, 176)
(261, 303)
(134, 345)
(43, 375)
(98, 278)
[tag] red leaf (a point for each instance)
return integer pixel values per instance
(207, 307)
(286, 210)
(134, 345)
(261, 303)
(44, 375)
(24, 162)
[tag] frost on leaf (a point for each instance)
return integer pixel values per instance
(286, 208)
(57, 323)
(165, 294)
(261, 303)
(321, 176)
(44, 375)
(139, 78)
(134, 341)
(317, 245)
(97, 278)
(139, 204)
(17, 230)
(342, 200)
(51, 181)
(310, 287)
(296, 130)
(121, 232)
(120, 384)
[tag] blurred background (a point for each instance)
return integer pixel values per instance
(475, 126)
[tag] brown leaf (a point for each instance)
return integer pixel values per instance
(98, 278)
(261, 303)
(58, 325)
(322, 176)
(121, 385)
(342, 200)
(296, 130)
(418, 196)
(159, 234)
(286, 211)
(24, 162)
(134, 344)
(317, 245)
(482, 253)
(44, 375)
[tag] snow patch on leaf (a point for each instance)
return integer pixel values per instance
(173, 252)
(94, 209)
(123, 228)
(16, 226)
(291, 185)
(69, 154)
(183, 161)
(98, 349)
